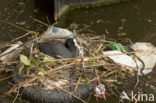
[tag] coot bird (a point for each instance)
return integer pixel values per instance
(58, 48)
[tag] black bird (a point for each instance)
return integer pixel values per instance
(59, 48)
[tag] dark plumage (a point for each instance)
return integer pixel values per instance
(58, 48)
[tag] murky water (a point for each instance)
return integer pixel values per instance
(139, 25)
(139, 15)
(19, 12)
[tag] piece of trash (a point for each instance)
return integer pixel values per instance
(147, 53)
(100, 91)
(145, 62)
(67, 68)
(4, 54)
(55, 32)
(122, 59)
(120, 47)
(116, 46)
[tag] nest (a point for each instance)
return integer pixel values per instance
(67, 74)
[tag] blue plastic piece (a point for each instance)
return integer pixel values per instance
(55, 30)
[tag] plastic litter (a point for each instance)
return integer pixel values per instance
(147, 53)
(116, 46)
(100, 91)
(55, 32)
(145, 62)
(121, 58)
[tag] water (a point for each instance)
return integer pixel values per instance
(139, 15)
(139, 25)
(19, 12)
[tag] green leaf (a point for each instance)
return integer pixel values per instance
(21, 69)
(40, 73)
(47, 58)
(28, 67)
(34, 61)
(24, 60)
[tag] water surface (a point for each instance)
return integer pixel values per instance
(139, 15)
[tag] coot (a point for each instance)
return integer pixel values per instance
(59, 48)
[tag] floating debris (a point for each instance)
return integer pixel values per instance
(145, 60)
